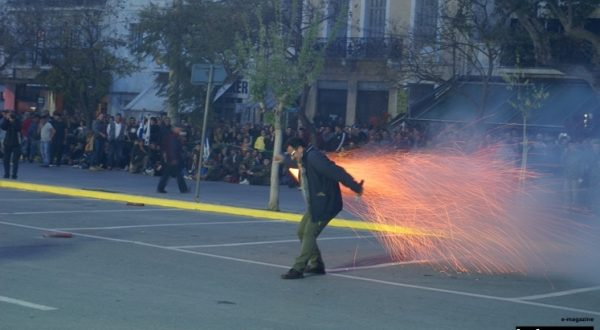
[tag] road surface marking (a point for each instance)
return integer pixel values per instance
(265, 242)
(351, 277)
(560, 293)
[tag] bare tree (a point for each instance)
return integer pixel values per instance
(282, 64)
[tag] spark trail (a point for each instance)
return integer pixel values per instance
(468, 211)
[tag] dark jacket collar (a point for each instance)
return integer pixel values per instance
(310, 147)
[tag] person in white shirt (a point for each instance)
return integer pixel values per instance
(115, 132)
(47, 132)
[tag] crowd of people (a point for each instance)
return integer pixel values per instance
(242, 153)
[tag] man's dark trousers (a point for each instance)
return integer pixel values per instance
(172, 170)
(11, 153)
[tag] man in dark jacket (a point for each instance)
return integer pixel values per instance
(173, 161)
(320, 178)
(59, 139)
(12, 143)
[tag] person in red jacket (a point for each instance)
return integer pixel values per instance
(172, 160)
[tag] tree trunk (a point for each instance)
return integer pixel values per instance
(485, 95)
(574, 31)
(174, 98)
(306, 122)
(525, 151)
(541, 41)
(274, 190)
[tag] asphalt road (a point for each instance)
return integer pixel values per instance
(132, 267)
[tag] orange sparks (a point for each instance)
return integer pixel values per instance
(295, 173)
(463, 212)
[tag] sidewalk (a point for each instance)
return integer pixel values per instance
(218, 193)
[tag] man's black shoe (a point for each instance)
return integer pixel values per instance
(316, 270)
(162, 191)
(14, 177)
(292, 274)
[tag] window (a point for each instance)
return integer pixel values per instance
(426, 20)
(375, 18)
(135, 35)
(334, 8)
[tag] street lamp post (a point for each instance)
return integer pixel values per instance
(208, 74)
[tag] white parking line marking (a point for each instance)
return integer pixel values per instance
(351, 277)
(559, 293)
(169, 225)
(384, 265)
(468, 294)
(266, 242)
(27, 304)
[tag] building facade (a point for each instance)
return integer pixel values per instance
(363, 82)
(20, 86)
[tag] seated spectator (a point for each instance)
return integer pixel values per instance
(243, 174)
(259, 144)
(154, 165)
(231, 165)
(139, 157)
(260, 174)
(75, 153)
(214, 169)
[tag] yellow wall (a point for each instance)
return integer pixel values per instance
(356, 10)
(399, 16)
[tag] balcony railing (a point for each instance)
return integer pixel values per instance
(55, 3)
(363, 48)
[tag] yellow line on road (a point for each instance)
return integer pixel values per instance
(203, 207)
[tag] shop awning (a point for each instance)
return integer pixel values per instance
(148, 101)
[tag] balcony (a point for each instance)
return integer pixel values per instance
(363, 48)
(65, 4)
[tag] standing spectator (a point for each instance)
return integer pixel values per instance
(339, 139)
(33, 138)
(58, 140)
(164, 131)
(142, 131)
(12, 143)
(325, 138)
(574, 171)
(115, 132)
(47, 132)
(287, 134)
(594, 178)
(26, 122)
(172, 157)
(99, 130)
(153, 131)
(131, 129)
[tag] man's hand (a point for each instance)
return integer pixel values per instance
(278, 158)
(362, 190)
